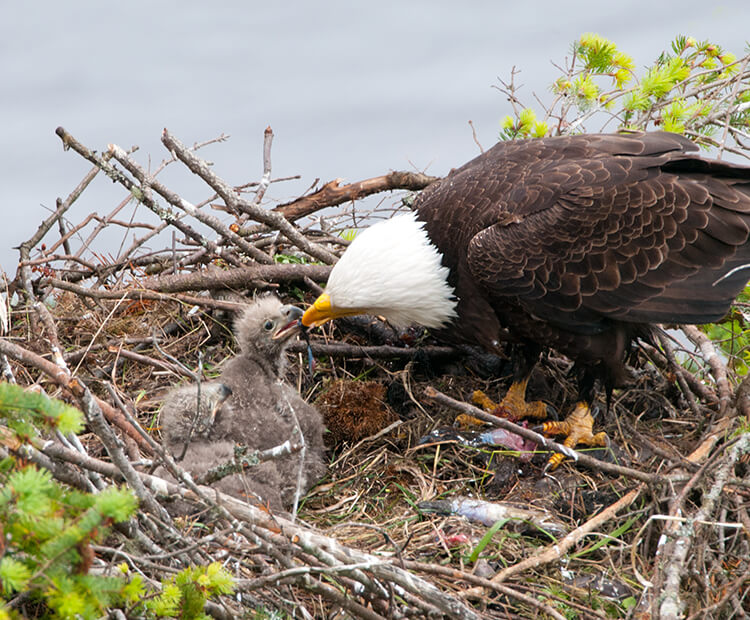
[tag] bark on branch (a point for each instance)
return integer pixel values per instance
(333, 193)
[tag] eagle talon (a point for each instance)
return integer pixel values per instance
(514, 405)
(577, 428)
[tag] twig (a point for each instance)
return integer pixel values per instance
(63, 379)
(240, 277)
(148, 182)
(98, 424)
(340, 349)
(141, 294)
(140, 194)
(150, 361)
(457, 575)
(718, 369)
(244, 458)
(677, 549)
(669, 352)
(232, 200)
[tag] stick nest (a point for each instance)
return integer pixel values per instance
(112, 335)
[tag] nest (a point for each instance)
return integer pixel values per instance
(664, 511)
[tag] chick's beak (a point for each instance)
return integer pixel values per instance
(320, 312)
(291, 324)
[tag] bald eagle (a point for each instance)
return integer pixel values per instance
(578, 243)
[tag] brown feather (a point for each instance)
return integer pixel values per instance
(580, 242)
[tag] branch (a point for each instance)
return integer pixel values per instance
(340, 349)
(712, 358)
(557, 550)
(140, 294)
(233, 201)
(237, 278)
(671, 607)
(63, 379)
(332, 194)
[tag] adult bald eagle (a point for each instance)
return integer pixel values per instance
(575, 242)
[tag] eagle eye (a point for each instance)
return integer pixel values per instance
(268, 325)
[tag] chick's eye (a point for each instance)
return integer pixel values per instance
(268, 325)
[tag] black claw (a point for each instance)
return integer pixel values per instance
(552, 413)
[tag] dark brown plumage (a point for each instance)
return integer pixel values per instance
(577, 242)
(260, 413)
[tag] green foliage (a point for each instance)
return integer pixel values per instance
(349, 234)
(46, 532)
(23, 412)
(732, 337)
(482, 544)
(289, 259)
(691, 89)
(525, 126)
(185, 594)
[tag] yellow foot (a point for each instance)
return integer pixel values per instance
(465, 421)
(578, 429)
(514, 405)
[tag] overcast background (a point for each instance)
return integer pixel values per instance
(350, 89)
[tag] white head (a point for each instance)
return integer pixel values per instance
(393, 270)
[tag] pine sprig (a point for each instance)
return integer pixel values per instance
(48, 531)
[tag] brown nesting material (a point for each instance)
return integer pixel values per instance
(353, 410)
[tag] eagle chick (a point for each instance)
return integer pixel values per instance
(260, 411)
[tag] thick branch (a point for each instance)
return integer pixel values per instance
(559, 548)
(340, 349)
(237, 278)
(63, 379)
(332, 193)
(141, 294)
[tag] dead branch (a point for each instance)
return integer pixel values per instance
(340, 349)
(233, 201)
(141, 294)
(63, 379)
(249, 276)
(718, 368)
(556, 551)
(681, 536)
(333, 193)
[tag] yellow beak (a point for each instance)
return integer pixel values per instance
(319, 312)
(322, 311)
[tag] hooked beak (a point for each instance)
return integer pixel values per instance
(319, 312)
(322, 310)
(291, 324)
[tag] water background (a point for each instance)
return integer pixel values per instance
(350, 89)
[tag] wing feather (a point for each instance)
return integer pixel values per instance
(589, 228)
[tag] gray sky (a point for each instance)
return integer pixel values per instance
(350, 89)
